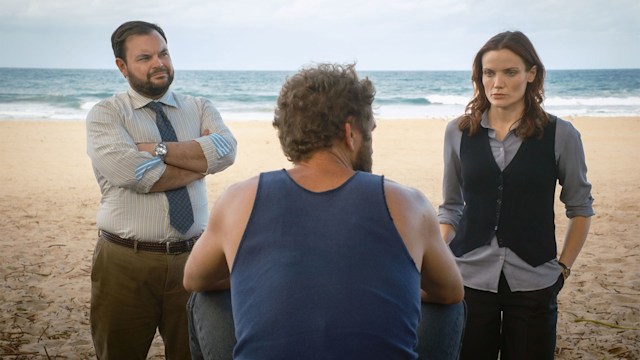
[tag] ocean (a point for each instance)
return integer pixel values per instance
(67, 94)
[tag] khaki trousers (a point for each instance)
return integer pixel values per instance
(132, 295)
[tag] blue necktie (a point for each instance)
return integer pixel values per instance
(180, 210)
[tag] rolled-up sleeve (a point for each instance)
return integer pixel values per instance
(572, 171)
(114, 154)
(220, 145)
(450, 210)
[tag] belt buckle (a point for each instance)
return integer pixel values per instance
(188, 245)
(169, 252)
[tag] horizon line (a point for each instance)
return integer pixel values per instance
(295, 70)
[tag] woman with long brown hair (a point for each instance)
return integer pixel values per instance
(503, 159)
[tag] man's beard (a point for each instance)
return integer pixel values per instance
(147, 88)
(363, 162)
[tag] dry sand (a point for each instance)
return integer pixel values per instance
(49, 197)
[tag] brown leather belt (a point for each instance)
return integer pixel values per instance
(172, 247)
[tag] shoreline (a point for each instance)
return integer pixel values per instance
(385, 118)
(49, 199)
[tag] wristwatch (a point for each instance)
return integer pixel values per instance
(566, 271)
(161, 150)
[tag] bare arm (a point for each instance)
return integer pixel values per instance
(441, 278)
(184, 160)
(211, 260)
(173, 178)
(206, 268)
(416, 221)
(212, 152)
(186, 155)
(577, 231)
(448, 232)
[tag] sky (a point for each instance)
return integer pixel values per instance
(288, 34)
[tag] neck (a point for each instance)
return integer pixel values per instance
(324, 170)
(505, 116)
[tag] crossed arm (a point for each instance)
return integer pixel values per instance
(120, 158)
(185, 163)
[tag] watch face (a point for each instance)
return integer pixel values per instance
(161, 149)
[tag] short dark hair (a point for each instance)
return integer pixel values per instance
(314, 105)
(534, 117)
(130, 28)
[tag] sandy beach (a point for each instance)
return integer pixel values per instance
(49, 198)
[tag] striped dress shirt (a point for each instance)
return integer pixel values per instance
(125, 174)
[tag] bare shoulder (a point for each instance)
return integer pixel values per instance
(404, 198)
(230, 214)
(239, 192)
(409, 208)
(235, 203)
(414, 217)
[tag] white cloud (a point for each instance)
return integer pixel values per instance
(284, 34)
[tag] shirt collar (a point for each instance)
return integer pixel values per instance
(139, 101)
(484, 122)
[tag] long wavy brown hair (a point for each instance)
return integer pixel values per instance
(534, 118)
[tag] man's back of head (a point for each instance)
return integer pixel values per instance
(314, 104)
(326, 259)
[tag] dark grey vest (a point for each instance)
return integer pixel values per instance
(515, 204)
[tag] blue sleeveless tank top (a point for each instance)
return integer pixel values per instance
(323, 275)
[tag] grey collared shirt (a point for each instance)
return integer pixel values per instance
(481, 267)
(125, 174)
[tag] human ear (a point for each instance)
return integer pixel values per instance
(122, 66)
(348, 135)
(531, 74)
